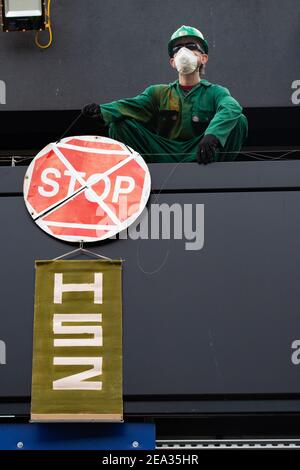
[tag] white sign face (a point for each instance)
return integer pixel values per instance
(86, 188)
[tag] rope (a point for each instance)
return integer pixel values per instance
(48, 27)
(70, 127)
(254, 155)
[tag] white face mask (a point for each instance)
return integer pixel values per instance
(185, 61)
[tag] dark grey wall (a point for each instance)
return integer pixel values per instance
(218, 321)
(109, 49)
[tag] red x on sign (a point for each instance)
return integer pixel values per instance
(86, 188)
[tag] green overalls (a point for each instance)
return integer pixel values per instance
(165, 124)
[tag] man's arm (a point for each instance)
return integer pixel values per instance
(142, 108)
(228, 111)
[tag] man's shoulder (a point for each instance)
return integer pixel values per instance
(161, 86)
(215, 87)
(157, 89)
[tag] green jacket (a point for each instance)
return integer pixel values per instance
(168, 111)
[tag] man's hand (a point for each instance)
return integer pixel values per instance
(207, 149)
(92, 111)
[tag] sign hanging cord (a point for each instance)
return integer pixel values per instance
(70, 127)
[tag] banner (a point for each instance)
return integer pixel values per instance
(77, 350)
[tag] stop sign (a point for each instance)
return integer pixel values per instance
(86, 188)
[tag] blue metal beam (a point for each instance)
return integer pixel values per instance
(79, 436)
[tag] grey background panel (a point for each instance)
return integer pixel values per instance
(110, 49)
(193, 177)
(220, 320)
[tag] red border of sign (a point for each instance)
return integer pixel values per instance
(38, 217)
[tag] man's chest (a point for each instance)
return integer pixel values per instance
(193, 101)
(195, 108)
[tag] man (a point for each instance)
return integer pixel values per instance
(188, 120)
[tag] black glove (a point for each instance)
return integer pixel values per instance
(92, 111)
(207, 149)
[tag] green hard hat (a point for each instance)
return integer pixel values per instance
(187, 31)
